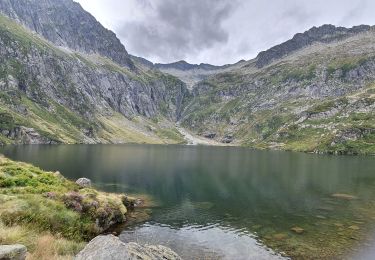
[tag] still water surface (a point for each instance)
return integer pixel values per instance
(226, 202)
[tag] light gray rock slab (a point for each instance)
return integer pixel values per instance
(12, 252)
(110, 247)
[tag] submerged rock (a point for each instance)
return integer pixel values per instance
(112, 248)
(204, 205)
(354, 227)
(297, 230)
(280, 236)
(84, 182)
(13, 252)
(257, 226)
(344, 196)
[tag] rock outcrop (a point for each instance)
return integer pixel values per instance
(13, 252)
(111, 248)
(26, 135)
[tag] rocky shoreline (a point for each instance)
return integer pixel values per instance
(107, 247)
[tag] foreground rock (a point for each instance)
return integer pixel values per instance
(111, 248)
(13, 252)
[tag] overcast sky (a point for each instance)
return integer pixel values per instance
(218, 31)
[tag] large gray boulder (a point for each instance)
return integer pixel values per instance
(12, 252)
(84, 182)
(110, 247)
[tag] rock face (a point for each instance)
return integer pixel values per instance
(324, 34)
(84, 182)
(26, 135)
(65, 23)
(111, 248)
(86, 89)
(13, 252)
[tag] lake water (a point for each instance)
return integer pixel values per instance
(230, 203)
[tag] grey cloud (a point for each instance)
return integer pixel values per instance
(175, 29)
(219, 31)
(356, 11)
(268, 23)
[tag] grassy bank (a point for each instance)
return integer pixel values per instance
(51, 215)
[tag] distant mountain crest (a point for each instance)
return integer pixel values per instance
(183, 65)
(324, 34)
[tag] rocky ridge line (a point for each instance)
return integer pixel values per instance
(324, 34)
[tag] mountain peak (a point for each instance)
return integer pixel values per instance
(324, 34)
(65, 23)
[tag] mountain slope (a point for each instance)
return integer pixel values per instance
(317, 98)
(66, 79)
(324, 34)
(65, 23)
(54, 95)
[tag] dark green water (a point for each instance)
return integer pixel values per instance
(231, 203)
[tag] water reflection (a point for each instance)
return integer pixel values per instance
(247, 195)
